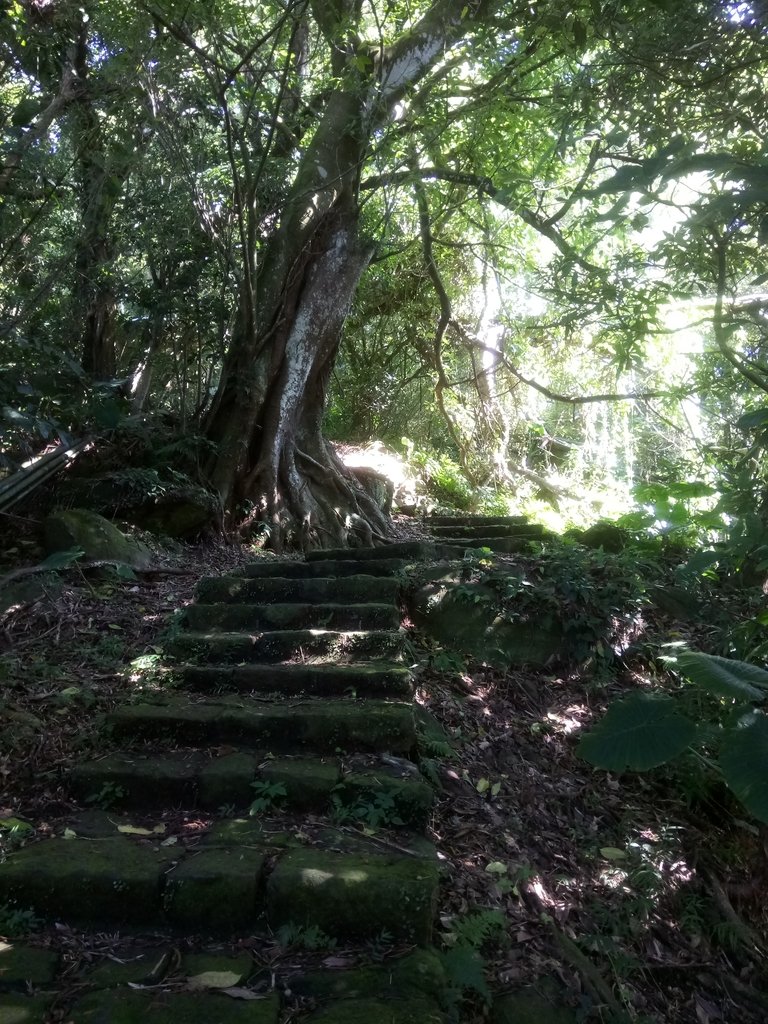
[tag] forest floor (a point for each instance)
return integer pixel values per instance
(633, 892)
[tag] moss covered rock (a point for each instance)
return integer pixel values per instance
(114, 880)
(215, 890)
(95, 536)
(465, 617)
(174, 507)
(353, 896)
(22, 965)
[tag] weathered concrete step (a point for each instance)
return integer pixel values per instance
(229, 617)
(502, 545)
(121, 881)
(322, 567)
(410, 551)
(489, 530)
(431, 521)
(127, 1006)
(323, 680)
(405, 990)
(373, 790)
(323, 726)
(350, 589)
(305, 645)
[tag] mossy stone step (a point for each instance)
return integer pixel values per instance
(383, 793)
(412, 1010)
(22, 967)
(124, 1006)
(354, 896)
(350, 589)
(216, 889)
(20, 1008)
(489, 530)
(500, 545)
(108, 880)
(321, 567)
(305, 645)
(412, 551)
(322, 726)
(477, 520)
(335, 680)
(230, 617)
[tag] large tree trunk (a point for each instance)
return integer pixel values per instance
(272, 462)
(267, 420)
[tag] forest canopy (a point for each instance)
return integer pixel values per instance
(523, 241)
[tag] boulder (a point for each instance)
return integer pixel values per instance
(466, 617)
(95, 536)
(174, 508)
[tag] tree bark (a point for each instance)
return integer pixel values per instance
(266, 417)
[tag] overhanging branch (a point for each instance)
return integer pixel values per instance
(485, 186)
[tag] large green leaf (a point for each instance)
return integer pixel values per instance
(744, 763)
(638, 732)
(725, 677)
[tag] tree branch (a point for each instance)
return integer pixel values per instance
(544, 225)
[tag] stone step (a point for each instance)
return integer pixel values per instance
(325, 567)
(324, 680)
(489, 530)
(409, 989)
(431, 521)
(374, 790)
(409, 551)
(236, 617)
(349, 590)
(321, 726)
(226, 889)
(285, 645)
(501, 545)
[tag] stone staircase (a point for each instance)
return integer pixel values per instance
(293, 700)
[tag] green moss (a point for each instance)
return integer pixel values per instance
(308, 781)
(352, 896)
(226, 781)
(247, 832)
(149, 781)
(126, 1007)
(420, 973)
(349, 590)
(95, 536)
(531, 1007)
(110, 973)
(291, 616)
(22, 965)
(215, 890)
(375, 1011)
(22, 1009)
(114, 881)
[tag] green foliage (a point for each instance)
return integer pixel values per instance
(595, 594)
(463, 962)
(310, 938)
(15, 922)
(268, 797)
(644, 731)
(638, 732)
(109, 794)
(374, 812)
